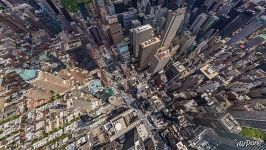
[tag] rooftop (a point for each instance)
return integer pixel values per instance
(143, 28)
(150, 42)
(27, 75)
(95, 86)
(208, 71)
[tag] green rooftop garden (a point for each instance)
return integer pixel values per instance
(253, 133)
(110, 91)
(72, 5)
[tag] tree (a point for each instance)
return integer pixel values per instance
(253, 133)
(72, 5)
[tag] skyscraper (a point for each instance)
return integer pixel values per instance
(174, 20)
(123, 52)
(159, 13)
(159, 60)
(218, 139)
(186, 42)
(66, 14)
(147, 50)
(148, 8)
(52, 5)
(13, 21)
(148, 19)
(139, 35)
(119, 6)
(34, 4)
(174, 71)
(94, 31)
(83, 10)
(195, 27)
(248, 29)
(115, 30)
(127, 17)
(135, 23)
(255, 119)
(209, 23)
(3, 4)
(6, 4)
(49, 20)
(111, 10)
(238, 22)
(224, 122)
(99, 4)
(222, 22)
(256, 41)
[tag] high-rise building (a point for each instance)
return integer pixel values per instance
(195, 27)
(83, 10)
(197, 11)
(174, 71)
(115, 30)
(238, 22)
(186, 19)
(219, 139)
(174, 20)
(99, 4)
(123, 52)
(147, 49)
(103, 14)
(3, 4)
(257, 41)
(53, 6)
(49, 20)
(159, 12)
(111, 10)
(13, 21)
(134, 3)
(127, 17)
(185, 42)
(135, 23)
(159, 60)
(148, 8)
(119, 6)
(248, 29)
(6, 4)
(224, 122)
(139, 35)
(66, 14)
(209, 23)
(254, 119)
(222, 22)
(34, 4)
(235, 12)
(209, 3)
(94, 31)
(148, 19)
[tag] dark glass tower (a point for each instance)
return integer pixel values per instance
(34, 4)
(248, 30)
(83, 10)
(237, 23)
(66, 14)
(52, 5)
(49, 20)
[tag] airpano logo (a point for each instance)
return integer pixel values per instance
(247, 143)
